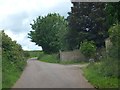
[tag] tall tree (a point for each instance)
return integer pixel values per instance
(113, 12)
(49, 32)
(87, 21)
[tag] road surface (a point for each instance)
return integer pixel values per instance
(46, 75)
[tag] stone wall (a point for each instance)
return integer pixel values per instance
(75, 55)
(108, 44)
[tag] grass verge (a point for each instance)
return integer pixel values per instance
(53, 58)
(10, 74)
(73, 62)
(32, 54)
(97, 79)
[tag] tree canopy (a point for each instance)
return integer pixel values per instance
(49, 32)
(113, 12)
(87, 21)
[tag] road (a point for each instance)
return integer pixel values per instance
(46, 75)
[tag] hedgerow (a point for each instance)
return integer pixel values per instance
(13, 61)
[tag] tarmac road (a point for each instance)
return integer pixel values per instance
(39, 74)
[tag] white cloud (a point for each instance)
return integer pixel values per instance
(16, 16)
(22, 39)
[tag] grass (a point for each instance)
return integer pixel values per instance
(49, 58)
(98, 80)
(11, 71)
(35, 53)
(53, 58)
(91, 72)
(10, 75)
(73, 62)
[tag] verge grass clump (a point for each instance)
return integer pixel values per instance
(97, 78)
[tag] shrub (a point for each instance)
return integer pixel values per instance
(41, 54)
(88, 48)
(13, 61)
(110, 63)
(115, 39)
(109, 67)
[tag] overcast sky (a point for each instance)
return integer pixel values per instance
(16, 16)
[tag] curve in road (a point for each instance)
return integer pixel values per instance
(39, 74)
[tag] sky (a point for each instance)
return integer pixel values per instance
(16, 16)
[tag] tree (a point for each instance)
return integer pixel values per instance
(87, 21)
(113, 12)
(49, 32)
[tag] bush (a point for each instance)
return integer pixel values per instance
(115, 39)
(110, 64)
(109, 67)
(41, 54)
(88, 48)
(34, 53)
(13, 61)
(111, 60)
(97, 79)
(26, 54)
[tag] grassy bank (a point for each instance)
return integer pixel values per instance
(34, 53)
(97, 79)
(50, 58)
(11, 75)
(13, 61)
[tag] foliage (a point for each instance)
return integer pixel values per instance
(88, 48)
(13, 61)
(34, 53)
(50, 58)
(113, 12)
(87, 21)
(26, 54)
(115, 39)
(106, 73)
(0, 60)
(49, 32)
(109, 67)
(110, 62)
(97, 79)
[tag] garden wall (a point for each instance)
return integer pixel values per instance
(75, 55)
(108, 44)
